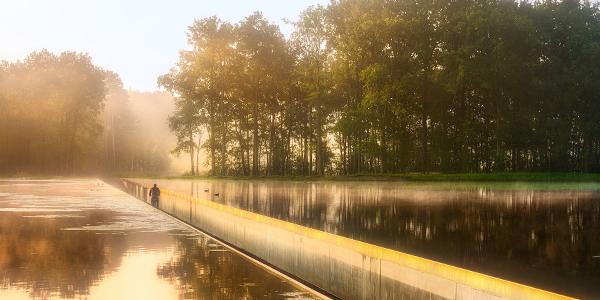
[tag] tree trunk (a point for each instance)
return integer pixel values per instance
(213, 154)
(198, 152)
(191, 138)
(224, 150)
(319, 157)
(255, 142)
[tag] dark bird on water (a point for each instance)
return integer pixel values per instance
(206, 191)
(217, 194)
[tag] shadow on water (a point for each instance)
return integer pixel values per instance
(544, 235)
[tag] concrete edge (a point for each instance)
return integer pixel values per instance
(293, 281)
(494, 285)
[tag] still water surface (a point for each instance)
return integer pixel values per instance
(86, 239)
(546, 235)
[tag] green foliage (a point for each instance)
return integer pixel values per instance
(60, 114)
(386, 86)
(49, 116)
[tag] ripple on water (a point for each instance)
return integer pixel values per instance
(55, 216)
(125, 240)
(148, 223)
(37, 209)
(296, 295)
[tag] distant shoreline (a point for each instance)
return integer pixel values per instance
(421, 177)
(407, 177)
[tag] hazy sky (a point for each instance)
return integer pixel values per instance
(139, 39)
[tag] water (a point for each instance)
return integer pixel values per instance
(85, 239)
(543, 235)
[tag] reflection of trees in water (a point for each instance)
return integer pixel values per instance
(546, 245)
(205, 270)
(545, 238)
(37, 255)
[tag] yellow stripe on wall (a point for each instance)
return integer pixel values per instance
(492, 285)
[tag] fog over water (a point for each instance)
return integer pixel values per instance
(545, 235)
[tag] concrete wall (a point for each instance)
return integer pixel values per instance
(346, 268)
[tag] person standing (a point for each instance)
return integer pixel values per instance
(154, 195)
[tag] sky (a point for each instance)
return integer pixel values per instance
(138, 39)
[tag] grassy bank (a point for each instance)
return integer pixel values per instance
(457, 177)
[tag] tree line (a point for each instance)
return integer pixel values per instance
(384, 86)
(61, 114)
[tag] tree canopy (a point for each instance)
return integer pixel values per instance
(61, 114)
(385, 86)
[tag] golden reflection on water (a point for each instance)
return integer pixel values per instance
(82, 239)
(137, 278)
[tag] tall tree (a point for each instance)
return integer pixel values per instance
(385, 86)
